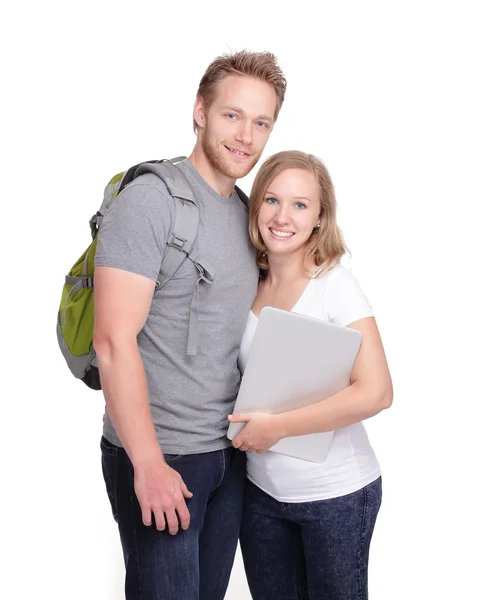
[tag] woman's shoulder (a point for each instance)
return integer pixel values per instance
(335, 275)
(342, 298)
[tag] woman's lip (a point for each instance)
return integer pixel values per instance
(281, 237)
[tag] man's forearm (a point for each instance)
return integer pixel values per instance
(126, 394)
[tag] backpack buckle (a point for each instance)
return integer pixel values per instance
(176, 242)
(95, 222)
(205, 274)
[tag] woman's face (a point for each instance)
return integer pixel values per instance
(289, 212)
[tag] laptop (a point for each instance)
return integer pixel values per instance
(295, 361)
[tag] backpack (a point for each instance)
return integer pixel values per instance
(76, 312)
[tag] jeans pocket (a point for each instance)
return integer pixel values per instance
(172, 458)
(109, 465)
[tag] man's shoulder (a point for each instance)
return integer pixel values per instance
(146, 194)
(148, 182)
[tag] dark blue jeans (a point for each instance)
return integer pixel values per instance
(309, 550)
(194, 564)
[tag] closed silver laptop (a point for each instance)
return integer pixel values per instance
(295, 361)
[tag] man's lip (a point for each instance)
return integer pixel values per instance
(237, 150)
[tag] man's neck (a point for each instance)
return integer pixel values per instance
(221, 184)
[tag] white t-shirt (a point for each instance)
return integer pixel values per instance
(334, 296)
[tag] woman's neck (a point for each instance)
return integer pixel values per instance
(284, 270)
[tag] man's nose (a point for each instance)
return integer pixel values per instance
(245, 133)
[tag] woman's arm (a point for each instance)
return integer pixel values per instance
(370, 392)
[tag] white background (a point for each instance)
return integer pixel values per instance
(386, 94)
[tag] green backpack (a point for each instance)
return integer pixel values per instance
(76, 312)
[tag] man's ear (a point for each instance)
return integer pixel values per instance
(199, 112)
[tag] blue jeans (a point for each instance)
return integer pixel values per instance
(309, 550)
(194, 564)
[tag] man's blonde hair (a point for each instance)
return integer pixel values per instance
(326, 245)
(260, 65)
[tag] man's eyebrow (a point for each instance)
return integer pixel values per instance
(241, 112)
(265, 118)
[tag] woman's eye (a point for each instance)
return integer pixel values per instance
(271, 200)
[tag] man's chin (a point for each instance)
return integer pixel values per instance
(237, 171)
(220, 159)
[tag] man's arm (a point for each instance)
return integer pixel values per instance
(122, 304)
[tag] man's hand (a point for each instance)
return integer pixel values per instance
(260, 432)
(161, 490)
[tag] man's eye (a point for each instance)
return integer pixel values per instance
(231, 116)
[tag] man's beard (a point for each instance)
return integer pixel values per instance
(219, 162)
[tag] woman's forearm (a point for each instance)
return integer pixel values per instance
(351, 405)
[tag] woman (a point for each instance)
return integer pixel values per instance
(307, 527)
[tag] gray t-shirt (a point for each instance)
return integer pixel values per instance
(190, 396)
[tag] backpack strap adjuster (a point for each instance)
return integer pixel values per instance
(95, 223)
(177, 242)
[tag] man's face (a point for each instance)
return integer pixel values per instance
(237, 125)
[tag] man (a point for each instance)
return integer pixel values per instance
(174, 481)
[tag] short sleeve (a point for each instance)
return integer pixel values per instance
(344, 298)
(135, 230)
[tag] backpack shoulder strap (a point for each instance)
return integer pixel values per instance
(185, 228)
(242, 196)
(182, 236)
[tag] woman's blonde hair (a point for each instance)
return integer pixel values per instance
(326, 245)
